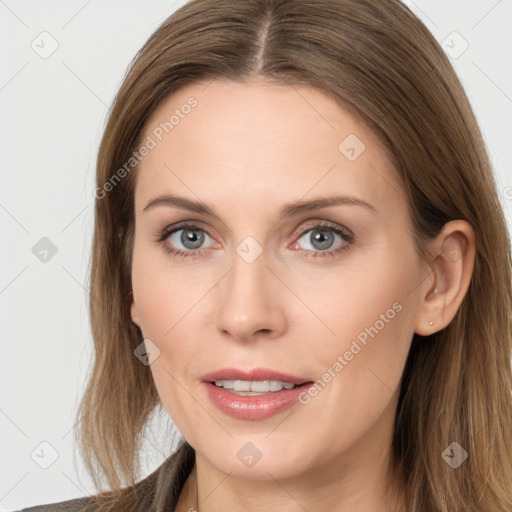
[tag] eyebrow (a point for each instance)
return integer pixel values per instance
(288, 210)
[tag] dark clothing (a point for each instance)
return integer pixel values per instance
(163, 486)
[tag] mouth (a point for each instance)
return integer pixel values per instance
(253, 387)
(255, 394)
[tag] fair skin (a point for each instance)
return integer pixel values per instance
(245, 151)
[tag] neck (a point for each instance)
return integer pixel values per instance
(357, 480)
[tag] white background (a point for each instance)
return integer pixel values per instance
(52, 113)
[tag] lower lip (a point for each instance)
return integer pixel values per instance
(253, 407)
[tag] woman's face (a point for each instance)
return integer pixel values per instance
(265, 293)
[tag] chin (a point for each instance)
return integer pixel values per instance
(255, 457)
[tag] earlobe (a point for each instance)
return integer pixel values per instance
(133, 311)
(452, 268)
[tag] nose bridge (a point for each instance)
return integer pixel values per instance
(249, 269)
(247, 304)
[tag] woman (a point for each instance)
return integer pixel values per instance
(300, 255)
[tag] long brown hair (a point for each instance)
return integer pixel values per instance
(379, 61)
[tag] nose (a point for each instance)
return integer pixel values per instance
(250, 302)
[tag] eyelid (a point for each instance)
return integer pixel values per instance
(325, 224)
(306, 225)
(184, 224)
(318, 224)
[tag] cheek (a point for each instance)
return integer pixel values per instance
(163, 294)
(361, 362)
(367, 300)
(166, 303)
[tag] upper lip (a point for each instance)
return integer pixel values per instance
(253, 374)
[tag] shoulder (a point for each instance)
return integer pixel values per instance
(86, 504)
(165, 483)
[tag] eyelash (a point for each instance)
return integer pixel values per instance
(345, 233)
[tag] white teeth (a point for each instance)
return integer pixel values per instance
(275, 385)
(257, 386)
(261, 386)
(242, 385)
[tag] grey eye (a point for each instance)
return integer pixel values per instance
(320, 239)
(190, 238)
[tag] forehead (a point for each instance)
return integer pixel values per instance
(222, 140)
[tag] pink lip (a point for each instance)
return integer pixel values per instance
(253, 407)
(254, 374)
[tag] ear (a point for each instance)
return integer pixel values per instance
(451, 271)
(133, 311)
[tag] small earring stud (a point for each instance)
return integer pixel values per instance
(431, 322)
